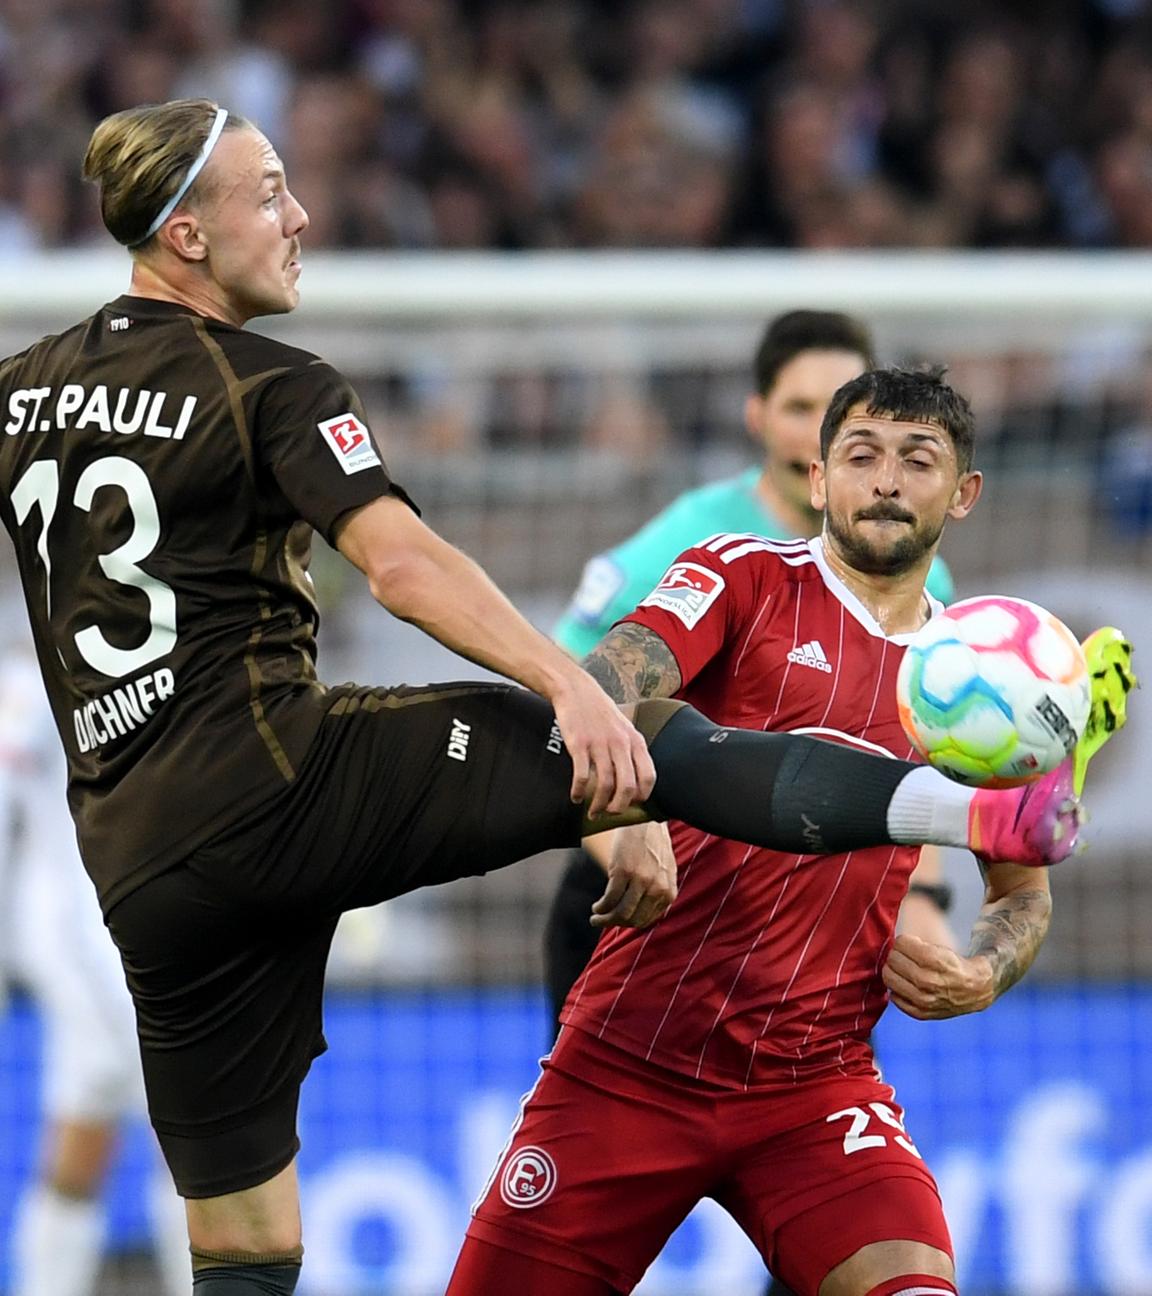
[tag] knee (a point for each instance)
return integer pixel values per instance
(280, 1239)
(891, 1268)
(261, 1221)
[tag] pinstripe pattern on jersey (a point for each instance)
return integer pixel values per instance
(722, 539)
(767, 960)
(643, 943)
(728, 546)
(233, 389)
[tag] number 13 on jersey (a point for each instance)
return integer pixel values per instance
(40, 485)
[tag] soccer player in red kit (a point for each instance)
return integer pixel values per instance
(723, 1052)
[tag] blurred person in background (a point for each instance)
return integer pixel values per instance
(802, 358)
(659, 174)
(60, 952)
(498, 124)
(354, 199)
(226, 51)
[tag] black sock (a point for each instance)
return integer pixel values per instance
(246, 1280)
(784, 791)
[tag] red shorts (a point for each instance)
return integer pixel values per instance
(611, 1153)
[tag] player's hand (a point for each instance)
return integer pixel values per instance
(931, 982)
(610, 759)
(641, 878)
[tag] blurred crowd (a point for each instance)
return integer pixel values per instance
(618, 123)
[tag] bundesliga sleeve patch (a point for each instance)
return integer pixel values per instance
(349, 441)
(687, 591)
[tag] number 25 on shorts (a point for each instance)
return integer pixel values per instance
(857, 1138)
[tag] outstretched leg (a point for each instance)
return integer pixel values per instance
(804, 795)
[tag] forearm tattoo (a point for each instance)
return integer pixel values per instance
(1009, 933)
(631, 663)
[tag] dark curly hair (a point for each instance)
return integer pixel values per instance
(920, 394)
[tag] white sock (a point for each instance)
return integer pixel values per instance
(169, 1234)
(58, 1244)
(929, 808)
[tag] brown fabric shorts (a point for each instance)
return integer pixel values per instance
(225, 953)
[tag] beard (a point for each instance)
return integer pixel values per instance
(893, 558)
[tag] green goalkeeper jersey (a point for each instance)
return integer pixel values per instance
(614, 582)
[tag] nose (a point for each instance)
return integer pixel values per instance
(295, 217)
(886, 483)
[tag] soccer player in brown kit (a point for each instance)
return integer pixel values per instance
(161, 473)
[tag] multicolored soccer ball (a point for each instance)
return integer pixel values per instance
(994, 692)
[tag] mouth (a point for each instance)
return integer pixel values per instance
(899, 519)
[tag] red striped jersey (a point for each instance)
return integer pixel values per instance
(766, 970)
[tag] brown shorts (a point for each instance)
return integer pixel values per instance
(225, 953)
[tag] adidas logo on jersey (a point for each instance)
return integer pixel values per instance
(811, 654)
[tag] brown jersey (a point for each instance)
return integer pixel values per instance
(160, 476)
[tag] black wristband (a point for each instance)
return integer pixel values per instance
(940, 893)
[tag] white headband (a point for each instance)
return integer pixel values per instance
(193, 171)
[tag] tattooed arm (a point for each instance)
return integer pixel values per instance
(632, 662)
(1012, 922)
(929, 981)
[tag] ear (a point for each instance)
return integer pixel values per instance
(754, 418)
(183, 235)
(966, 494)
(818, 494)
